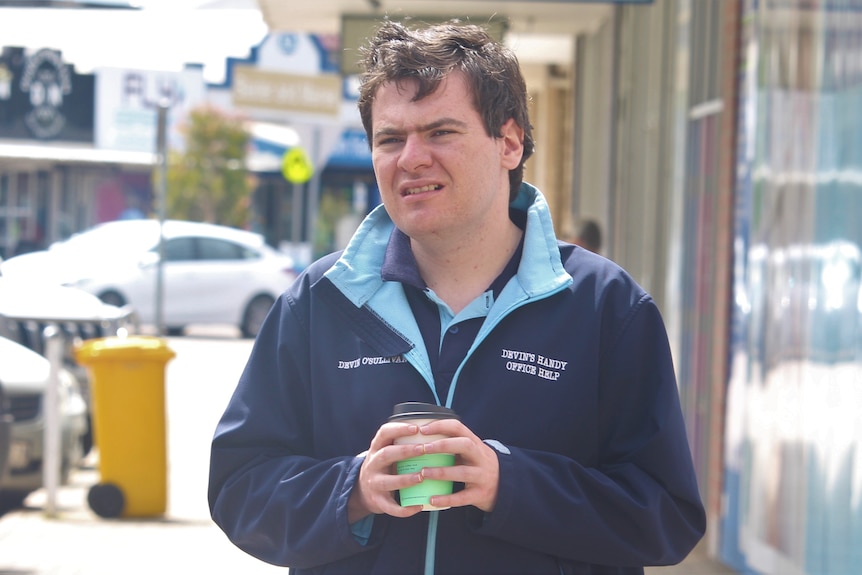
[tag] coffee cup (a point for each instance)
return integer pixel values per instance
(419, 414)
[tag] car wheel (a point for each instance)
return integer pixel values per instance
(113, 298)
(255, 312)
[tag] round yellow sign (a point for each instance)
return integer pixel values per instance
(296, 166)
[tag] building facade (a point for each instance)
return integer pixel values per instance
(718, 141)
(80, 149)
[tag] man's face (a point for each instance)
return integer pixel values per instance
(440, 174)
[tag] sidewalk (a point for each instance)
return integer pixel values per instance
(185, 540)
(78, 542)
(697, 563)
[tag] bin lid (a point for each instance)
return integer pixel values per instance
(124, 348)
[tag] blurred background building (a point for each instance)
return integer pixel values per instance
(718, 143)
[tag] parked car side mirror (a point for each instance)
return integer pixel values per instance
(149, 259)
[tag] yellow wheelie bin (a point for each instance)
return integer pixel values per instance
(128, 403)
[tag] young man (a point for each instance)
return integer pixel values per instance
(571, 453)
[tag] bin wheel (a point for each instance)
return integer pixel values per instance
(106, 500)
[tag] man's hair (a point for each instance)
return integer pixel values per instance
(428, 55)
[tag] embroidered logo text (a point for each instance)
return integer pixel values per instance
(360, 361)
(534, 364)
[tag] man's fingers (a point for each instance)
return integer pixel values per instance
(389, 432)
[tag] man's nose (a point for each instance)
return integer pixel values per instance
(415, 154)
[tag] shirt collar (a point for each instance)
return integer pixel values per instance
(399, 263)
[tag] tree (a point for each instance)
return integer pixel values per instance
(208, 181)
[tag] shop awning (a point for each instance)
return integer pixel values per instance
(70, 153)
(271, 141)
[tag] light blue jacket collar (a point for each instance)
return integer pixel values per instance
(357, 272)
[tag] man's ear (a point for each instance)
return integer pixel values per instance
(512, 140)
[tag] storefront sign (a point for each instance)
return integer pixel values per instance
(256, 88)
(127, 101)
(42, 98)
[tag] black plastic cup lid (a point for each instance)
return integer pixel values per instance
(419, 410)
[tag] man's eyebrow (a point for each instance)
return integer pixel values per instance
(442, 122)
(436, 124)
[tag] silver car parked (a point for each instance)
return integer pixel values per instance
(24, 375)
(26, 309)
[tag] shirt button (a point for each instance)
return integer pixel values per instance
(453, 329)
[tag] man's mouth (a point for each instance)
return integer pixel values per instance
(420, 189)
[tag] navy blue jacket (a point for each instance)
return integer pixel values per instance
(570, 379)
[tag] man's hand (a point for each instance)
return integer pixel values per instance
(375, 489)
(476, 466)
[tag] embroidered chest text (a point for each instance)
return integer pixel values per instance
(379, 360)
(534, 364)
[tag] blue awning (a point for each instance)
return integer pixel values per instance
(268, 147)
(351, 151)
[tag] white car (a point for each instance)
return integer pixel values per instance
(210, 274)
(24, 375)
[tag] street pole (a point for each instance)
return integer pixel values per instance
(161, 200)
(51, 408)
(314, 188)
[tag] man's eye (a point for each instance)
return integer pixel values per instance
(388, 141)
